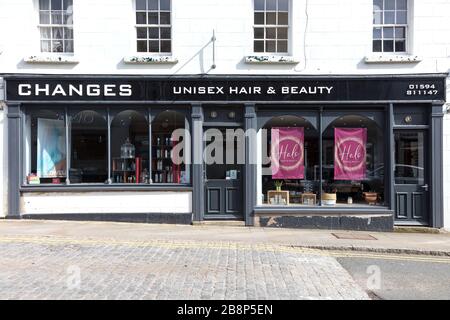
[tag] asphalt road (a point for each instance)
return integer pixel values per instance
(393, 277)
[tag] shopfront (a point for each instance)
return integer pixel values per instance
(338, 152)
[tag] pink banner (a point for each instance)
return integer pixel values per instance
(287, 153)
(350, 153)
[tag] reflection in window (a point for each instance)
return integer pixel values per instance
(89, 152)
(45, 152)
(271, 26)
(390, 24)
(365, 189)
(409, 158)
(166, 165)
(130, 148)
(293, 191)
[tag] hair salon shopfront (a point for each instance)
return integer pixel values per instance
(367, 150)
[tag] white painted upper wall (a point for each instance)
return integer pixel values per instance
(333, 40)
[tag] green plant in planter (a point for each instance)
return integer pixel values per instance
(278, 184)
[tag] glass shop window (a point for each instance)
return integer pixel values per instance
(353, 162)
(271, 26)
(45, 150)
(56, 25)
(390, 26)
(169, 164)
(153, 26)
(290, 167)
(89, 147)
(130, 148)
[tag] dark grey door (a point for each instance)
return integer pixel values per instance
(223, 174)
(411, 177)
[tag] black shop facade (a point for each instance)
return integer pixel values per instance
(332, 152)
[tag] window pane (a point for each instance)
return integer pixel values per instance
(168, 167)
(140, 4)
(259, 4)
(164, 18)
(271, 5)
(56, 4)
(68, 46)
(378, 17)
(377, 4)
(68, 17)
(271, 33)
(152, 4)
(401, 4)
(409, 157)
(401, 17)
(282, 33)
(389, 17)
(400, 46)
(45, 156)
(153, 18)
(400, 33)
(164, 5)
(57, 18)
(388, 46)
(44, 17)
(283, 5)
(388, 33)
(271, 18)
(166, 46)
(283, 18)
(89, 142)
(140, 18)
(44, 5)
(270, 46)
(142, 46)
(68, 33)
(389, 4)
(153, 33)
(67, 4)
(259, 18)
(57, 46)
(141, 33)
(258, 46)
(45, 33)
(259, 33)
(129, 148)
(165, 33)
(153, 46)
(45, 46)
(282, 46)
(376, 33)
(57, 33)
(376, 46)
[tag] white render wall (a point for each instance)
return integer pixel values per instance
(106, 202)
(335, 40)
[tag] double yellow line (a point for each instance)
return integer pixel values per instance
(189, 244)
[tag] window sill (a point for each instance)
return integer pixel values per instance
(53, 59)
(397, 58)
(273, 59)
(150, 59)
(105, 187)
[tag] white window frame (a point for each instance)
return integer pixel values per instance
(276, 26)
(383, 25)
(55, 25)
(159, 26)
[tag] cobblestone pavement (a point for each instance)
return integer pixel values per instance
(61, 268)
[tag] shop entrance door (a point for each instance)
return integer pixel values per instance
(411, 177)
(223, 165)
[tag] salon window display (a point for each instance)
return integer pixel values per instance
(288, 169)
(353, 166)
(137, 155)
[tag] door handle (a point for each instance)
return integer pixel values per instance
(424, 187)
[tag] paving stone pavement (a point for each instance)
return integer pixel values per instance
(44, 268)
